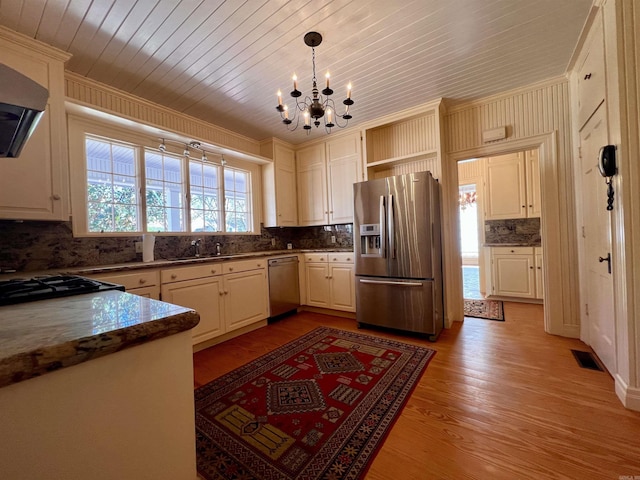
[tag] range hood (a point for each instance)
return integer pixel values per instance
(22, 103)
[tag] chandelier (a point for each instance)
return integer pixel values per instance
(318, 106)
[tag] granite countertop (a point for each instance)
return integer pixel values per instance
(175, 262)
(47, 335)
(513, 244)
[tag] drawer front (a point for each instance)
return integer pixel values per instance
(513, 250)
(190, 273)
(342, 257)
(131, 280)
(244, 265)
(316, 257)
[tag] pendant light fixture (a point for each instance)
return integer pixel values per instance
(319, 107)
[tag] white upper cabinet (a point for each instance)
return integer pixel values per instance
(35, 185)
(312, 186)
(512, 183)
(326, 174)
(344, 165)
(279, 186)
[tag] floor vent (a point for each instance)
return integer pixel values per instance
(587, 360)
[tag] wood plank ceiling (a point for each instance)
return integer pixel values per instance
(223, 61)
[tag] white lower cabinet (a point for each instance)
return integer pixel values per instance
(330, 281)
(205, 296)
(227, 296)
(516, 272)
(145, 283)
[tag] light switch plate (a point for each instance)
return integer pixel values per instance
(138, 246)
(333, 239)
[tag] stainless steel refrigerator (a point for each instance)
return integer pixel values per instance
(398, 252)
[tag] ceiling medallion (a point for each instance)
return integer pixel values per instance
(319, 105)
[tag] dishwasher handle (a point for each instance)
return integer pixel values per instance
(282, 261)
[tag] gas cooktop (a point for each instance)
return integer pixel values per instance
(40, 288)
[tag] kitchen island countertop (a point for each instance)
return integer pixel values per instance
(44, 336)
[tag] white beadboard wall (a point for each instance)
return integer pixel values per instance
(102, 97)
(421, 163)
(402, 139)
(533, 116)
(470, 171)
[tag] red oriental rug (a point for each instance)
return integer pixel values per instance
(316, 408)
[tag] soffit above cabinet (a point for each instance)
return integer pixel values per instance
(223, 61)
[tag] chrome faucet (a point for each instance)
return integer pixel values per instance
(196, 246)
(218, 247)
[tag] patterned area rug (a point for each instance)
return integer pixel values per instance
(489, 309)
(316, 408)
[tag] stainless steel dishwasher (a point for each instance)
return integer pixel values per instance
(284, 289)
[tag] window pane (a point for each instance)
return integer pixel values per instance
(237, 200)
(165, 192)
(205, 212)
(112, 193)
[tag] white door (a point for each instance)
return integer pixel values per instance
(597, 242)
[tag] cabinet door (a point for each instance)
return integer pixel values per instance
(505, 187)
(312, 186)
(148, 292)
(318, 292)
(285, 180)
(539, 276)
(344, 165)
(513, 275)
(205, 297)
(342, 284)
(534, 206)
(245, 298)
(34, 186)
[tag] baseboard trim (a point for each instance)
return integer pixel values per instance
(630, 397)
(327, 311)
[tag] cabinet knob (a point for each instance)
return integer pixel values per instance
(174, 276)
(326, 276)
(231, 269)
(330, 211)
(142, 281)
(213, 270)
(259, 264)
(226, 292)
(539, 268)
(335, 259)
(321, 259)
(55, 196)
(524, 206)
(326, 212)
(531, 268)
(513, 251)
(348, 259)
(221, 293)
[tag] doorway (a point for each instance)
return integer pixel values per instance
(499, 211)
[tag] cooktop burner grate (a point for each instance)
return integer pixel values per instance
(40, 288)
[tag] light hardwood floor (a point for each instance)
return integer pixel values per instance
(500, 400)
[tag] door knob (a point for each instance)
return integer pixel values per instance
(606, 259)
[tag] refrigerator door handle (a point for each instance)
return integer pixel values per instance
(387, 282)
(392, 231)
(383, 229)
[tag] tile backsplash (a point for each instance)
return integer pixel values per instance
(521, 231)
(29, 246)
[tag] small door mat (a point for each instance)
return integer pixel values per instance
(587, 360)
(489, 309)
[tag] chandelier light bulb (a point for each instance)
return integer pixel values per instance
(327, 76)
(295, 81)
(349, 90)
(279, 98)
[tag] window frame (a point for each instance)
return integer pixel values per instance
(81, 128)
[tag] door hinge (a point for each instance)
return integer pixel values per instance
(579, 152)
(583, 234)
(586, 309)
